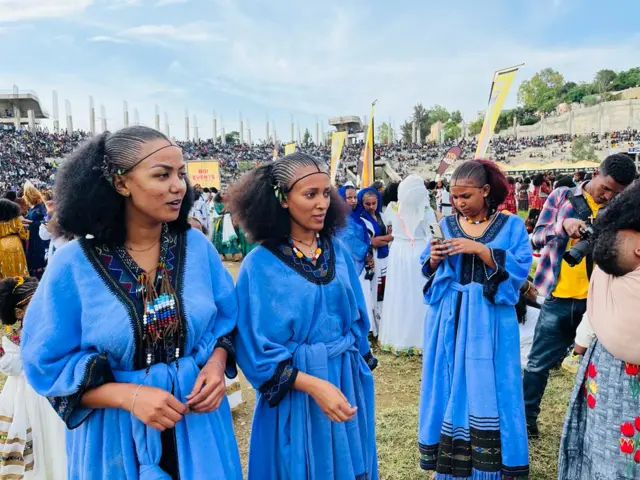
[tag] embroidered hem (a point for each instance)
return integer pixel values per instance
(97, 372)
(274, 389)
(231, 369)
(372, 361)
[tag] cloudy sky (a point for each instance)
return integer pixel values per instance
(310, 59)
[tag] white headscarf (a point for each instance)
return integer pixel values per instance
(413, 198)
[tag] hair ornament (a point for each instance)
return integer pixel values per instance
(20, 281)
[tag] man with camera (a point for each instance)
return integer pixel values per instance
(563, 233)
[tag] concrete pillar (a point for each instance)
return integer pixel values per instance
(125, 109)
(103, 114)
(293, 138)
(56, 117)
(224, 137)
(186, 125)
(215, 128)
(418, 135)
(266, 131)
(413, 132)
(92, 116)
(17, 117)
(67, 107)
(156, 118)
(32, 121)
(136, 117)
(241, 128)
(248, 132)
(196, 133)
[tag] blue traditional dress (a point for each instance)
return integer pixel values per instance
(84, 329)
(376, 228)
(296, 316)
(355, 237)
(471, 422)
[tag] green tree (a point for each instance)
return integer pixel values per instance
(405, 129)
(231, 138)
(452, 131)
(456, 116)
(476, 127)
(422, 117)
(603, 80)
(384, 133)
(626, 79)
(575, 93)
(541, 90)
(582, 149)
(306, 138)
(438, 113)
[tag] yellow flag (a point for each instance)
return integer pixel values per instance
(366, 174)
(289, 148)
(502, 80)
(337, 142)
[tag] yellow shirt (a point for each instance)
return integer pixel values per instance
(573, 282)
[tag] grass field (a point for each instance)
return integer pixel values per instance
(397, 398)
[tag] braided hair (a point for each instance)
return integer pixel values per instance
(15, 293)
(256, 199)
(484, 172)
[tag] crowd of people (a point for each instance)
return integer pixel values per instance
(437, 269)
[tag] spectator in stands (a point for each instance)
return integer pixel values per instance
(36, 216)
(560, 226)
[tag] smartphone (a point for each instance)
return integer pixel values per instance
(436, 231)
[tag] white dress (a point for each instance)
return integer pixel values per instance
(375, 302)
(32, 443)
(404, 310)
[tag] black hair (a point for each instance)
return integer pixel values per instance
(511, 180)
(206, 190)
(581, 175)
(15, 295)
(377, 185)
(87, 203)
(485, 172)
(390, 193)
(538, 180)
(432, 185)
(565, 181)
(622, 213)
(8, 210)
(11, 195)
(254, 201)
(213, 190)
(620, 167)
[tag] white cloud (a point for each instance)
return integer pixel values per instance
(176, 67)
(195, 32)
(107, 39)
(17, 10)
(162, 3)
(116, 4)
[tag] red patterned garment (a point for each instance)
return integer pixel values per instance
(510, 202)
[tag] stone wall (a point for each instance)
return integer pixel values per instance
(601, 118)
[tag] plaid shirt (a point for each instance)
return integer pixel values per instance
(549, 235)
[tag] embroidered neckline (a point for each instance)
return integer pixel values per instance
(322, 273)
(490, 233)
(118, 271)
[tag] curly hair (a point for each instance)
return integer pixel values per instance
(538, 180)
(485, 172)
(253, 202)
(32, 195)
(621, 214)
(8, 210)
(390, 193)
(620, 167)
(15, 293)
(86, 202)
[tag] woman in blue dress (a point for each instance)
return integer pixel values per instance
(302, 329)
(128, 333)
(471, 421)
(354, 234)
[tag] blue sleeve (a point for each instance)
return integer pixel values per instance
(55, 363)
(264, 354)
(221, 328)
(439, 280)
(512, 266)
(361, 325)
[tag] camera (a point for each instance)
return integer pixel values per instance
(575, 254)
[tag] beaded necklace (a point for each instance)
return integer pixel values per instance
(316, 254)
(476, 222)
(161, 317)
